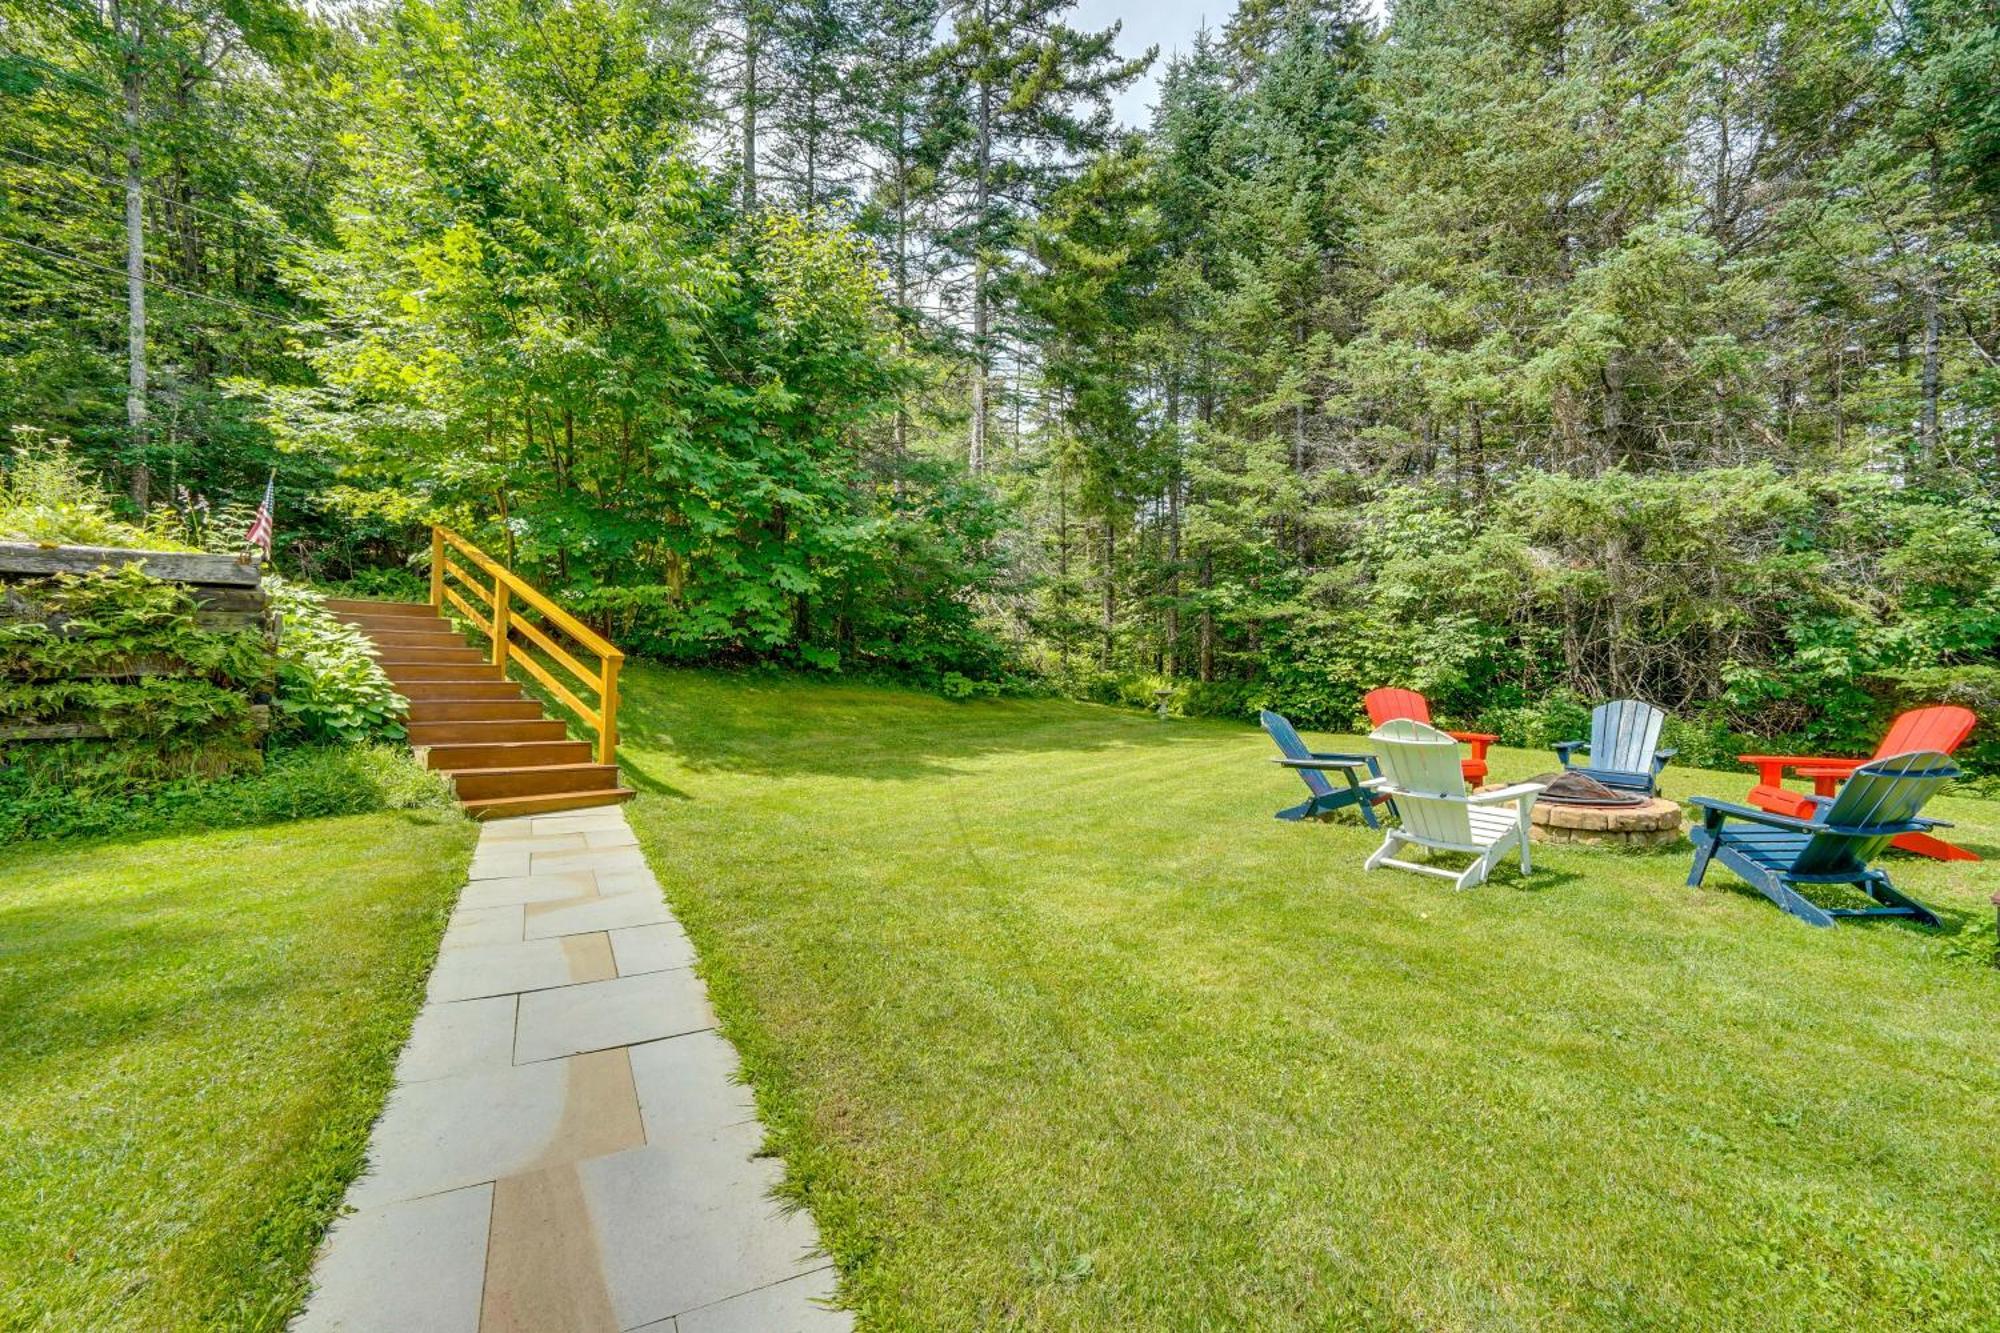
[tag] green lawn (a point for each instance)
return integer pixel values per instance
(195, 1034)
(1057, 1027)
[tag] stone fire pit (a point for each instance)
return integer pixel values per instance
(1579, 809)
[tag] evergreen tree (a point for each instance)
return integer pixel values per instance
(1034, 100)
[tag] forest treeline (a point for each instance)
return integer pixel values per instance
(1527, 352)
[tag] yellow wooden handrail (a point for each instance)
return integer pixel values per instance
(496, 617)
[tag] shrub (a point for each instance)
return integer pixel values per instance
(47, 496)
(81, 790)
(330, 688)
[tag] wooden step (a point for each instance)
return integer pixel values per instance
(481, 784)
(400, 673)
(486, 730)
(374, 626)
(501, 807)
(477, 711)
(503, 754)
(458, 691)
(359, 606)
(397, 654)
(393, 639)
(463, 756)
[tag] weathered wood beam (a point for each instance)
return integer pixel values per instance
(23, 560)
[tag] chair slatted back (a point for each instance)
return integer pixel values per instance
(1386, 705)
(1624, 735)
(1421, 764)
(1292, 746)
(1941, 727)
(1881, 793)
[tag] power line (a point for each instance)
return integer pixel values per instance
(114, 180)
(258, 311)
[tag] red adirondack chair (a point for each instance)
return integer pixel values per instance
(1386, 705)
(1941, 727)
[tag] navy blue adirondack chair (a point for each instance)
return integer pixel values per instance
(1326, 798)
(1778, 854)
(1623, 747)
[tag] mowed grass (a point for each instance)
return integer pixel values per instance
(195, 1034)
(1058, 1028)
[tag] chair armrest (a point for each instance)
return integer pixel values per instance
(1364, 758)
(1501, 795)
(1481, 738)
(1720, 810)
(1771, 767)
(1324, 761)
(1838, 769)
(1564, 749)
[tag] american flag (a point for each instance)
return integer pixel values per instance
(260, 529)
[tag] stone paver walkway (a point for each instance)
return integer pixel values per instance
(566, 1148)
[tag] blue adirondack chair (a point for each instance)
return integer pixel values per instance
(1778, 854)
(1623, 747)
(1326, 798)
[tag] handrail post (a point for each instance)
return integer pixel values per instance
(607, 710)
(502, 622)
(437, 566)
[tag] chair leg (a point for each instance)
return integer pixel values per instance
(1390, 843)
(1924, 844)
(1879, 888)
(1704, 852)
(1785, 896)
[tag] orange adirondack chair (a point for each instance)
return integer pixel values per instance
(1941, 727)
(1386, 705)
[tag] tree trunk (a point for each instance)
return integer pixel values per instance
(751, 40)
(1206, 645)
(1170, 662)
(135, 260)
(1110, 591)
(902, 165)
(1062, 563)
(975, 453)
(1927, 433)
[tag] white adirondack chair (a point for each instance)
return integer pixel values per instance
(1420, 771)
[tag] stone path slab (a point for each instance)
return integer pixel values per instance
(567, 1146)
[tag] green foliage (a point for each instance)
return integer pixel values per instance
(47, 496)
(115, 620)
(122, 651)
(86, 790)
(330, 687)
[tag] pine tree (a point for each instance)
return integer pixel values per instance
(1035, 100)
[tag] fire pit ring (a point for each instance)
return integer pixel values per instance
(1579, 809)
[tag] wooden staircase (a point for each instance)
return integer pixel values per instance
(504, 755)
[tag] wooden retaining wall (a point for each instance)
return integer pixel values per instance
(227, 590)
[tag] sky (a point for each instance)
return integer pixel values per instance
(1168, 24)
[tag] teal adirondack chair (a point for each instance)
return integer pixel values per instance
(1313, 768)
(1623, 748)
(1779, 854)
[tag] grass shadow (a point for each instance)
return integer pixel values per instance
(641, 778)
(712, 721)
